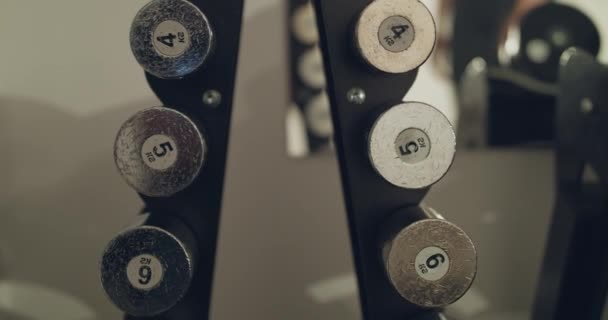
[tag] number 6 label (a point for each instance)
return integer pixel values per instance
(432, 263)
(145, 272)
(159, 152)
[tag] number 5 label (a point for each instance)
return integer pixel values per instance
(159, 152)
(145, 272)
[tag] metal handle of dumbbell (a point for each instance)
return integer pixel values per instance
(429, 261)
(147, 270)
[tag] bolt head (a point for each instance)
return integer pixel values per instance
(212, 98)
(356, 96)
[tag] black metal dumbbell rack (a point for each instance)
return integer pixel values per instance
(558, 100)
(358, 95)
(384, 215)
(206, 97)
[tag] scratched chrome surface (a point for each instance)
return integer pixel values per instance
(401, 269)
(173, 254)
(372, 51)
(190, 144)
(195, 21)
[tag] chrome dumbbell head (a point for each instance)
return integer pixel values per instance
(148, 270)
(431, 262)
(412, 145)
(159, 152)
(395, 36)
(171, 38)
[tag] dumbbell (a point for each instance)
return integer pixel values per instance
(429, 261)
(160, 151)
(147, 270)
(412, 145)
(171, 38)
(395, 36)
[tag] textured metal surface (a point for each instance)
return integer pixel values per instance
(155, 284)
(369, 199)
(448, 246)
(582, 118)
(477, 32)
(413, 161)
(153, 132)
(147, 46)
(318, 116)
(395, 36)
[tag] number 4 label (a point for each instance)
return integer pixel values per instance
(399, 30)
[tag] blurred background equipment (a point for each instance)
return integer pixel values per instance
(444, 258)
(171, 38)
(516, 81)
(159, 152)
(309, 128)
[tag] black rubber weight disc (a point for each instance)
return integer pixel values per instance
(560, 27)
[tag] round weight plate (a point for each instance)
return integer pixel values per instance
(171, 38)
(412, 145)
(431, 263)
(159, 152)
(395, 36)
(146, 271)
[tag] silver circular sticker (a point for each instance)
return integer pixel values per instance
(171, 38)
(432, 263)
(396, 34)
(145, 272)
(159, 152)
(413, 146)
